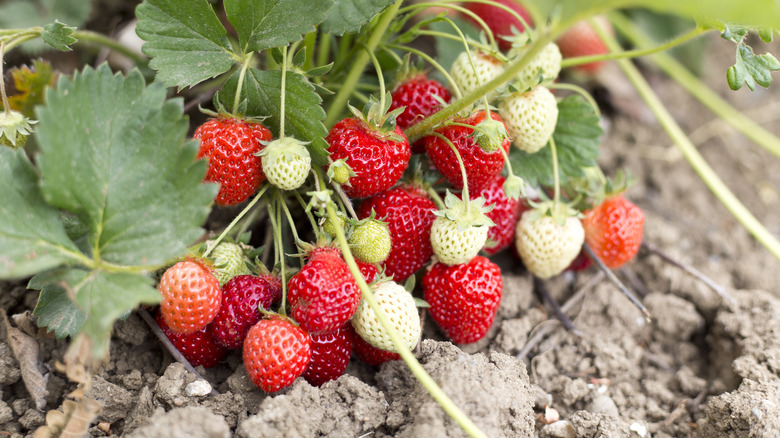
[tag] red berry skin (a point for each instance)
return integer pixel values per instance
(231, 146)
(581, 263)
(239, 311)
(614, 230)
(500, 21)
(409, 216)
(198, 347)
(369, 271)
(378, 162)
(276, 352)
(481, 167)
(330, 354)
(323, 295)
(191, 296)
(505, 213)
(420, 96)
(582, 40)
(463, 298)
(367, 353)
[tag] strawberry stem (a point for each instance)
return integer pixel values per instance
(462, 168)
(616, 281)
(436, 198)
(579, 90)
(302, 202)
(406, 354)
(692, 155)
(425, 5)
(379, 75)
(556, 177)
(239, 86)
(323, 49)
(430, 61)
(6, 105)
(283, 93)
(233, 223)
(275, 215)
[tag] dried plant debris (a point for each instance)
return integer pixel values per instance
(73, 421)
(25, 350)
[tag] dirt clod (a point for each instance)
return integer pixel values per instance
(188, 422)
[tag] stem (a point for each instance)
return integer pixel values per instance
(276, 219)
(359, 64)
(283, 93)
(737, 119)
(616, 281)
(308, 42)
(694, 158)
(450, 36)
(462, 10)
(249, 206)
(346, 201)
(406, 354)
(430, 61)
(462, 168)
(556, 177)
(324, 49)
(570, 62)
(436, 198)
(240, 85)
(579, 90)
(308, 212)
(379, 76)
(286, 211)
(87, 36)
(6, 104)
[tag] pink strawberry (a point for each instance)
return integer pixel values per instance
(276, 352)
(463, 298)
(481, 165)
(330, 354)
(197, 347)
(239, 311)
(499, 20)
(323, 295)
(422, 97)
(582, 40)
(231, 146)
(409, 216)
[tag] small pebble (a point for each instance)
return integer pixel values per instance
(198, 388)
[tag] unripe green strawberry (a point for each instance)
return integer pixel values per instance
(546, 246)
(399, 307)
(468, 78)
(14, 129)
(546, 63)
(459, 231)
(286, 163)
(330, 226)
(370, 241)
(530, 117)
(229, 261)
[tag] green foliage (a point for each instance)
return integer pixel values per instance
(262, 24)
(261, 97)
(55, 309)
(32, 238)
(577, 136)
(350, 15)
(58, 36)
(750, 69)
(30, 84)
(18, 14)
(185, 40)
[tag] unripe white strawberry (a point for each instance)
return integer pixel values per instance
(460, 230)
(545, 246)
(229, 261)
(530, 117)
(546, 63)
(286, 163)
(468, 78)
(370, 241)
(399, 307)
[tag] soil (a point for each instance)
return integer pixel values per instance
(703, 366)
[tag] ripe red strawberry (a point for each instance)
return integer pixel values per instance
(504, 215)
(239, 311)
(276, 352)
(582, 40)
(231, 146)
(499, 20)
(190, 296)
(613, 230)
(323, 295)
(377, 159)
(481, 166)
(198, 347)
(421, 97)
(369, 271)
(330, 354)
(463, 298)
(367, 353)
(409, 216)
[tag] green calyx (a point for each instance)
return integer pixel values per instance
(559, 211)
(490, 134)
(466, 213)
(14, 129)
(377, 118)
(370, 240)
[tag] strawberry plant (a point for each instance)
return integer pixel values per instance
(466, 117)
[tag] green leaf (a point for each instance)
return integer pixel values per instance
(103, 296)
(765, 33)
(262, 24)
(32, 238)
(754, 13)
(18, 14)
(30, 84)
(350, 15)
(751, 69)
(577, 136)
(58, 35)
(55, 310)
(261, 95)
(185, 40)
(113, 152)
